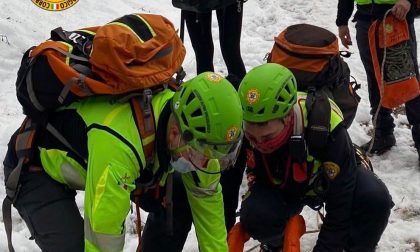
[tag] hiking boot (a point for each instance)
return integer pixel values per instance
(268, 248)
(380, 145)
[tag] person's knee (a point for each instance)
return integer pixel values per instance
(379, 203)
(262, 220)
(376, 202)
(249, 215)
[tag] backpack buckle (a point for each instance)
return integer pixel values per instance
(147, 100)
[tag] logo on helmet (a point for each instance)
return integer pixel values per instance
(213, 77)
(54, 5)
(253, 96)
(231, 133)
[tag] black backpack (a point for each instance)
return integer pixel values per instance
(312, 54)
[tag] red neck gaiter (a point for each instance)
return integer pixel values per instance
(278, 141)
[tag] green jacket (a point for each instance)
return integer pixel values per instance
(108, 176)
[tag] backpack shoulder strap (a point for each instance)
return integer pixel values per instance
(23, 148)
(318, 115)
(145, 121)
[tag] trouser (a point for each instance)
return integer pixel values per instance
(230, 25)
(156, 237)
(264, 213)
(47, 207)
(231, 181)
(385, 122)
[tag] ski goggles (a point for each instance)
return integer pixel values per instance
(199, 153)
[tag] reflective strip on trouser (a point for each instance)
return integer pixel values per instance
(104, 242)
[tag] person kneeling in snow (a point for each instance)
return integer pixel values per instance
(284, 176)
(198, 132)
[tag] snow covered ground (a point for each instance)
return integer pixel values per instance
(22, 25)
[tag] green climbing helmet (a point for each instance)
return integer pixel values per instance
(267, 92)
(209, 113)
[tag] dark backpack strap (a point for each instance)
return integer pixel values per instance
(319, 115)
(145, 121)
(64, 141)
(23, 148)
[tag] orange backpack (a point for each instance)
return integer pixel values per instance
(129, 58)
(392, 61)
(131, 54)
(312, 54)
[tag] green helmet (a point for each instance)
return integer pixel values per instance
(209, 112)
(267, 92)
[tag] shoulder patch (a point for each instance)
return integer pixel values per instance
(331, 169)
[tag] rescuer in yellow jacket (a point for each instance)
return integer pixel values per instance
(197, 135)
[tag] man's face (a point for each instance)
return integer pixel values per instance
(263, 132)
(268, 136)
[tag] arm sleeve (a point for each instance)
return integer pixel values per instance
(206, 202)
(344, 11)
(110, 179)
(338, 199)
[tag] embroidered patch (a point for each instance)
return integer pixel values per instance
(389, 28)
(331, 169)
(213, 77)
(253, 96)
(231, 133)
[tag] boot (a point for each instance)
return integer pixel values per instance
(381, 144)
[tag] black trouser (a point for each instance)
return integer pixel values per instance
(231, 181)
(156, 237)
(264, 213)
(48, 208)
(230, 25)
(385, 122)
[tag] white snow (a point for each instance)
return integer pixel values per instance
(22, 24)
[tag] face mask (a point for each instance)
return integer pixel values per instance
(196, 161)
(182, 165)
(278, 141)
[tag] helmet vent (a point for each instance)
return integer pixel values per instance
(190, 98)
(287, 86)
(275, 109)
(201, 129)
(261, 111)
(280, 99)
(196, 113)
(184, 119)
